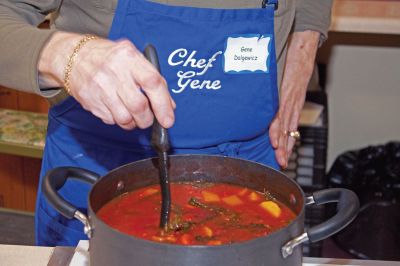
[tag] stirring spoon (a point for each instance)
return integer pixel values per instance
(160, 143)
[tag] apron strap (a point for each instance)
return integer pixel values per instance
(273, 3)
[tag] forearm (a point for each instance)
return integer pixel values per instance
(21, 42)
(298, 69)
(300, 59)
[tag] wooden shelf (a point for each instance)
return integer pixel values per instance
(20, 161)
(22, 133)
(21, 150)
(366, 16)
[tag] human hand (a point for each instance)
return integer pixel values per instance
(112, 80)
(298, 70)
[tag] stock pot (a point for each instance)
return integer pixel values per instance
(107, 246)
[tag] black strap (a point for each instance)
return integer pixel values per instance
(270, 2)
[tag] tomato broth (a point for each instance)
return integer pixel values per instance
(201, 214)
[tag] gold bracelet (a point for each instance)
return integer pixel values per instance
(71, 60)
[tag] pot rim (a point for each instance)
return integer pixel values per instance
(252, 241)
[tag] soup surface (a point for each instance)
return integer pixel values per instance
(201, 214)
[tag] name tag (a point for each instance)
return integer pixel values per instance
(247, 54)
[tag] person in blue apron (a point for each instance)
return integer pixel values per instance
(220, 66)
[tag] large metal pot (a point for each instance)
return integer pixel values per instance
(108, 246)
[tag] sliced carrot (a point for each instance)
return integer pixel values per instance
(243, 192)
(210, 197)
(185, 239)
(171, 238)
(232, 200)
(271, 207)
(149, 191)
(207, 230)
(157, 238)
(214, 242)
(254, 196)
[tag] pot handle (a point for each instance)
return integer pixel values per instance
(55, 180)
(347, 209)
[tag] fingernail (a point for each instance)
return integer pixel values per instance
(273, 142)
(283, 164)
(168, 121)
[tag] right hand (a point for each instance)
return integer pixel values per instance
(112, 80)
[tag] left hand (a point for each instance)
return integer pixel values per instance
(299, 66)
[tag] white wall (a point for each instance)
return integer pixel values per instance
(363, 86)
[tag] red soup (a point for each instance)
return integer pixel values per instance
(201, 214)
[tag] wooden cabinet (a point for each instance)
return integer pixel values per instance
(13, 99)
(19, 176)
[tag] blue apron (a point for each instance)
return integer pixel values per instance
(220, 67)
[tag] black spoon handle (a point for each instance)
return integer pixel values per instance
(159, 138)
(165, 190)
(160, 142)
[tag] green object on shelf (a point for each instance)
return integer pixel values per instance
(22, 133)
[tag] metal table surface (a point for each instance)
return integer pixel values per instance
(16, 255)
(63, 256)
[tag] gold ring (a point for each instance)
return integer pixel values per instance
(294, 134)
